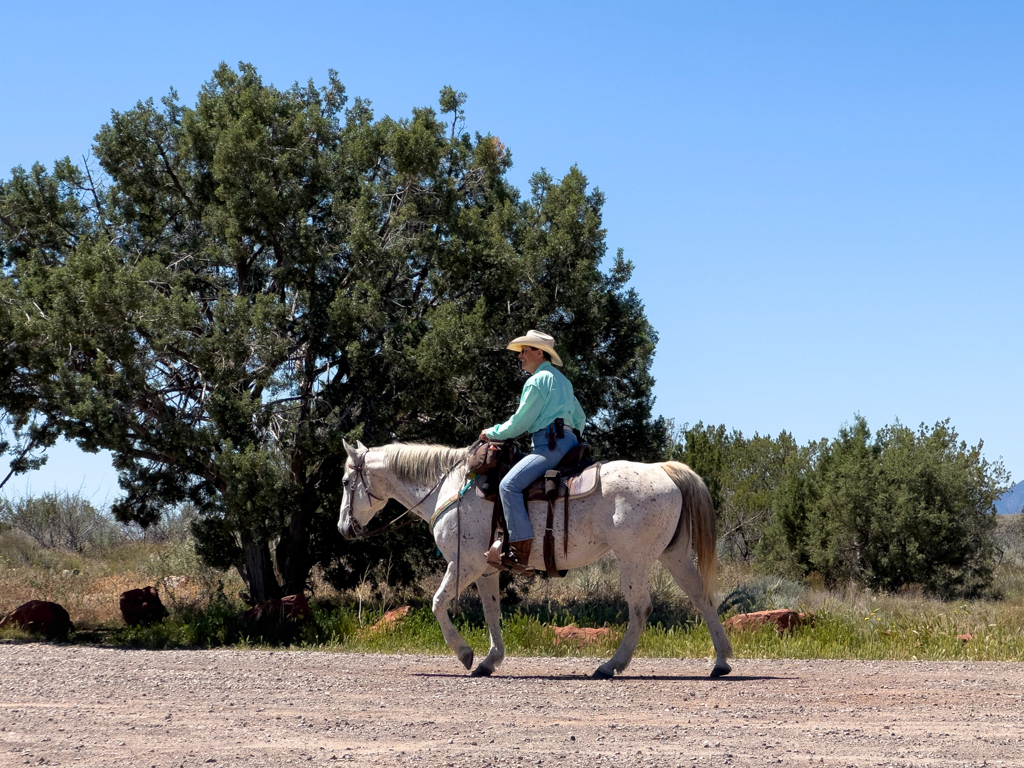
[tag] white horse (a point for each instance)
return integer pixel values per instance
(642, 512)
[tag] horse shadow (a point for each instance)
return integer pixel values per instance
(584, 676)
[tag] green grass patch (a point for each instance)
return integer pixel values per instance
(833, 636)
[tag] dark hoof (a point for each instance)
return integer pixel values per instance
(720, 671)
(481, 671)
(600, 674)
(466, 657)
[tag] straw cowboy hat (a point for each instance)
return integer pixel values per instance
(538, 340)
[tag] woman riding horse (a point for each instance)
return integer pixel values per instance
(546, 406)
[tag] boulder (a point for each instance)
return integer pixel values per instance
(140, 607)
(391, 619)
(578, 635)
(40, 618)
(783, 620)
(292, 607)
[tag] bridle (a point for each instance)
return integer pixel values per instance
(359, 467)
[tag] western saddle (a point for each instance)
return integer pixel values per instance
(576, 476)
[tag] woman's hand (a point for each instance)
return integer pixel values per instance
(483, 436)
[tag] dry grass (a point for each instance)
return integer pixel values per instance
(89, 583)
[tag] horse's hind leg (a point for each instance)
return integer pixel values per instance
(442, 599)
(488, 587)
(637, 588)
(684, 571)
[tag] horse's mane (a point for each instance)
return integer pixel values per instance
(420, 463)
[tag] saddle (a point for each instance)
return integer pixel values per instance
(576, 476)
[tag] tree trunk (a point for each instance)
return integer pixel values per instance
(259, 573)
(293, 552)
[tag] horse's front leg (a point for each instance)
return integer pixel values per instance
(442, 599)
(637, 589)
(488, 586)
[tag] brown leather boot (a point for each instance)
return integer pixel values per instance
(494, 555)
(519, 555)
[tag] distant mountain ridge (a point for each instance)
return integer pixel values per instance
(1011, 502)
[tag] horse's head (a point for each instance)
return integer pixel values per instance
(358, 502)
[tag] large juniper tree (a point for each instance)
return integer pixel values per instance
(244, 282)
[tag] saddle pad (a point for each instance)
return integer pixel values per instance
(580, 486)
(585, 483)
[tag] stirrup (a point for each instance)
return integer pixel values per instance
(509, 563)
(494, 557)
(512, 562)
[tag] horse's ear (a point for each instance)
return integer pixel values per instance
(352, 452)
(362, 448)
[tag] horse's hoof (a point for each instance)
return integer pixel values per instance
(719, 671)
(466, 657)
(602, 674)
(482, 671)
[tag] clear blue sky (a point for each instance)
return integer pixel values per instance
(824, 202)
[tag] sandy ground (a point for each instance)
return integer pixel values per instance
(86, 706)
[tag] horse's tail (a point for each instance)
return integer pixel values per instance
(698, 514)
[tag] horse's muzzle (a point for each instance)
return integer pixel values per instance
(351, 530)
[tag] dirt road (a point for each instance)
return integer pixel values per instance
(79, 706)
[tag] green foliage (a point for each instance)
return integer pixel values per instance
(1009, 539)
(905, 508)
(742, 475)
(258, 276)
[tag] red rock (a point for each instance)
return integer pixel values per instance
(292, 607)
(783, 620)
(391, 619)
(40, 618)
(142, 606)
(578, 635)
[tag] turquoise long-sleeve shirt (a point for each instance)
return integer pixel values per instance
(547, 395)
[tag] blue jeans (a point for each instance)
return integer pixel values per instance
(525, 472)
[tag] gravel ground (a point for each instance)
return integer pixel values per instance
(81, 706)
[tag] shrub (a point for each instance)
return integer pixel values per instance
(741, 474)
(60, 520)
(905, 508)
(766, 593)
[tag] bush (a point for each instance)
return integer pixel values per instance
(741, 474)
(1009, 539)
(174, 525)
(60, 520)
(906, 508)
(766, 593)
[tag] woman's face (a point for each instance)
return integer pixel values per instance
(531, 358)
